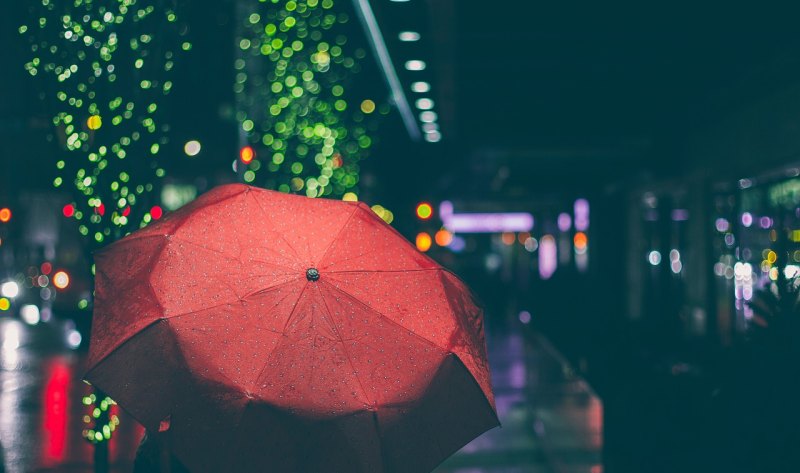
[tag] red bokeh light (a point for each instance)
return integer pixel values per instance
(68, 210)
(127, 211)
(156, 212)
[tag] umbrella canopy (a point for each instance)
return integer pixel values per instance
(259, 331)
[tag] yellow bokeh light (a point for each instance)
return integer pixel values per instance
(4, 303)
(423, 241)
(350, 197)
(772, 257)
(368, 106)
(94, 122)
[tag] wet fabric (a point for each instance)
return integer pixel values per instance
(254, 328)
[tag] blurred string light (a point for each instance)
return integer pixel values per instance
(192, 148)
(100, 408)
(247, 154)
(428, 117)
(415, 65)
(433, 136)
(105, 67)
(383, 213)
(408, 36)
(294, 70)
(424, 104)
(420, 87)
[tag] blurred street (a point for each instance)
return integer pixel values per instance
(551, 421)
(617, 186)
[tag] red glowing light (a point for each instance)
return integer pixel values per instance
(56, 412)
(127, 211)
(46, 268)
(337, 161)
(100, 209)
(5, 215)
(156, 212)
(68, 210)
(247, 154)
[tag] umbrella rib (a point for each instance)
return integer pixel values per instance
(294, 307)
(446, 350)
(267, 217)
(193, 312)
(344, 346)
(328, 249)
(230, 257)
(283, 332)
(344, 271)
(270, 288)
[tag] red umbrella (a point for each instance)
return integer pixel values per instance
(259, 331)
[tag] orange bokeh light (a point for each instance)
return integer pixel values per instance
(5, 215)
(580, 240)
(443, 237)
(423, 241)
(508, 238)
(247, 154)
(61, 279)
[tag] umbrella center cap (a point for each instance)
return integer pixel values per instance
(312, 274)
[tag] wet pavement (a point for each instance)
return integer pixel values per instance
(551, 420)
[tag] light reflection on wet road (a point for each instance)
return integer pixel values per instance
(551, 420)
(41, 413)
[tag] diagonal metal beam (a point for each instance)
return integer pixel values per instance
(378, 45)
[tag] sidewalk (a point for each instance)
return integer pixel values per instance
(551, 419)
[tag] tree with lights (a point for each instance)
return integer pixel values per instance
(105, 68)
(298, 119)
